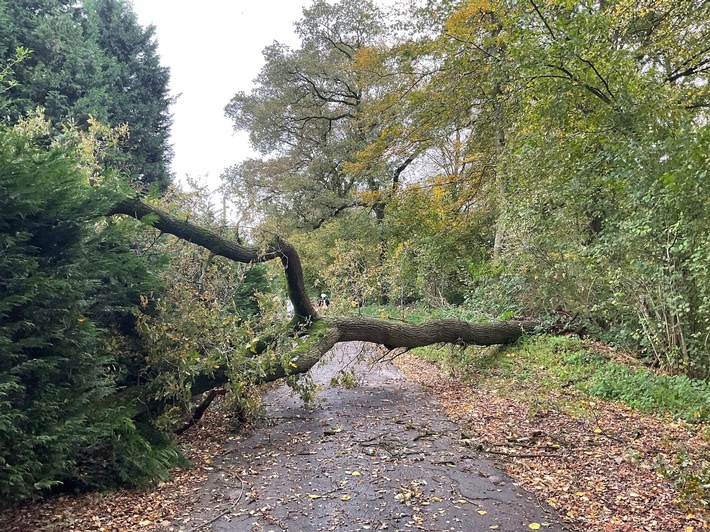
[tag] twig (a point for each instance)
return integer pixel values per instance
(385, 357)
(513, 455)
(207, 523)
(152, 244)
(425, 435)
(605, 433)
(526, 445)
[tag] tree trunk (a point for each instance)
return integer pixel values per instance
(501, 188)
(303, 308)
(323, 333)
(451, 331)
(393, 334)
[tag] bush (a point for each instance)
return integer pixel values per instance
(62, 277)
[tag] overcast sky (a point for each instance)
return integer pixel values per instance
(213, 49)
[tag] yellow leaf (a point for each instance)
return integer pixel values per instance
(534, 526)
(482, 512)
(345, 498)
(356, 473)
(597, 431)
(462, 501)
(313, 496)
(689, 529)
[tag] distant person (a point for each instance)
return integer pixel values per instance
(324, 302)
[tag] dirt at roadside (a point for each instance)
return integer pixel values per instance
(600, 470)
(377, 456)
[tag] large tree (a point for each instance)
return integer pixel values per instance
(308, 117)
(92, 60)
(138, 92)
(607, 163)
(63, 280)
(315, 334)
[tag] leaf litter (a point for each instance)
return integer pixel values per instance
(599, 471)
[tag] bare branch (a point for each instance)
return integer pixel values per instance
(544, 21)
(218, 245)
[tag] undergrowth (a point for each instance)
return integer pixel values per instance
(561, 362)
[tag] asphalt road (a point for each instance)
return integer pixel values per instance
(376, 456)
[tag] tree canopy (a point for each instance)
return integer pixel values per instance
(63, 284)
(556, 157)
(309, 117)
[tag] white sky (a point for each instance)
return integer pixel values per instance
(213, 49)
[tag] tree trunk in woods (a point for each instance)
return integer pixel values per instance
(501, 188)
(323, 333)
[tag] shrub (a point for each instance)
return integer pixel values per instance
(63, 277)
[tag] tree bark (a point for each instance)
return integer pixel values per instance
(451, 331)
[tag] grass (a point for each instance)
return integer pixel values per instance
(536, 366)
(541, 364)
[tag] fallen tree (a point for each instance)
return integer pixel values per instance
(319, 334)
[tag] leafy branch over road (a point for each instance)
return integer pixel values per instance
(324, 332)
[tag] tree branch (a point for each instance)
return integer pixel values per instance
(167, 223)
(323, 333)
(544, 21)
(454, 331)
(200, 410)
(603, 80)
(574, 79)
